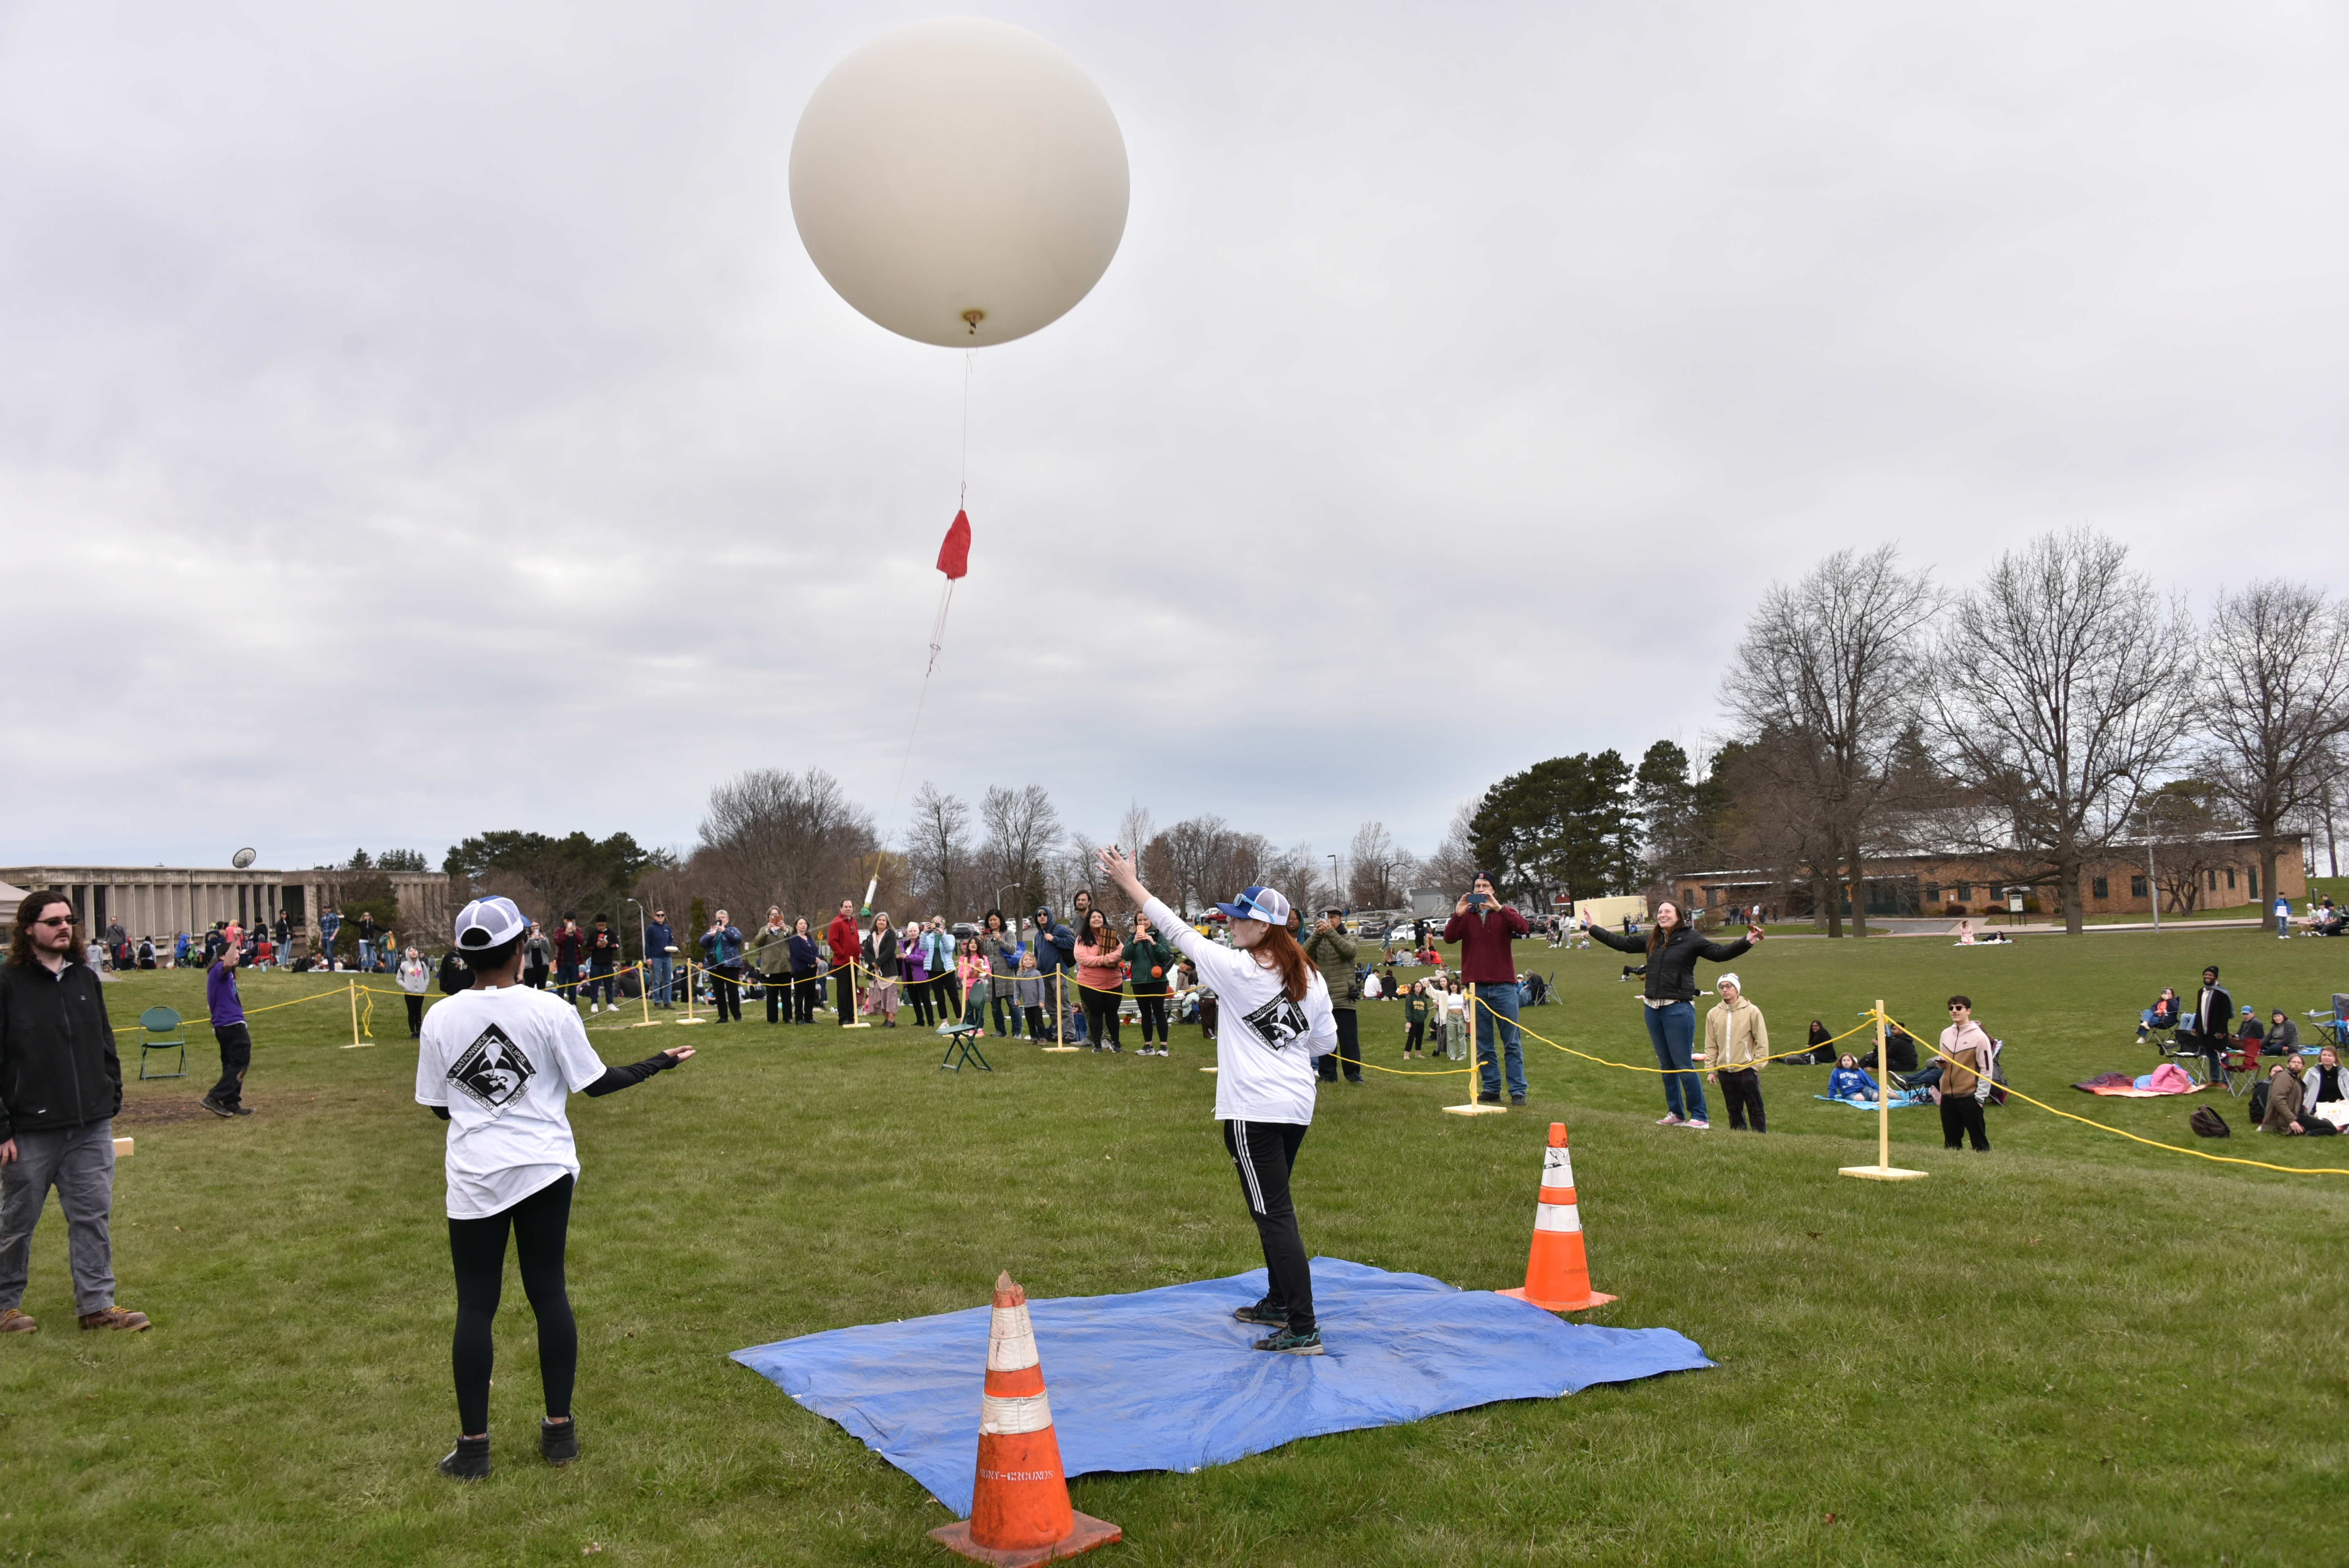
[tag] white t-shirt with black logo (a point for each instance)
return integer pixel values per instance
(1265, 1043)
(504, 1063)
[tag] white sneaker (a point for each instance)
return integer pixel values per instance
(1697, 1124)
(1668, 1120)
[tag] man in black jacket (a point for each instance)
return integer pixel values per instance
(2205, 1029)
(60, 1085)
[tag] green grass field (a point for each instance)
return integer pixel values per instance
(2071, 1349)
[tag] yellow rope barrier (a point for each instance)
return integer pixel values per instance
(2132, 1138)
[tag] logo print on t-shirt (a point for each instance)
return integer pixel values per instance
(494, 1071)
(1278, 1022)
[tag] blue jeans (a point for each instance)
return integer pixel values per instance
(1497, 1006)
(1672, 1031)
(367, 956)
(658, 981)
(2283, 925)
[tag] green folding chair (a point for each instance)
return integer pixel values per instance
(162, 1021)
(962, 1048)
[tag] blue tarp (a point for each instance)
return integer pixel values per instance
(1165, 1379)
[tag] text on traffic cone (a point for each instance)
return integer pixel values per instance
(1019, 1511)
(1558, 1274)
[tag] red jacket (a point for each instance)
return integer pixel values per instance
(846, 945)
(1486, 956)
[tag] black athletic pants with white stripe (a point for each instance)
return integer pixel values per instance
(1263, 1152)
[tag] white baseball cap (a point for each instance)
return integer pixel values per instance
(488, 923)
(1258, 903)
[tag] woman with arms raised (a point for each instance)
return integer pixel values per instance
(1673, 947)
(1274, 1019)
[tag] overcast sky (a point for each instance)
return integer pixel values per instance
(423, 419)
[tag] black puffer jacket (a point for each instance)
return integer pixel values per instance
(57, 1066)
(1671, 968)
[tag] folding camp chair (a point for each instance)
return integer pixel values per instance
(962, 1048)
(162, 1021)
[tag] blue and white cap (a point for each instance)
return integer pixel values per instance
(488, 922)
(1258, 903)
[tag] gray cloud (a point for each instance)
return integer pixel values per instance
(421, 422)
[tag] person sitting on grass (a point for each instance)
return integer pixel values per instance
(2162, 1015)
(2326, 1084)
(2283, 1037)
(1818, 1039)
(2284, 1093)
(1850, 1080)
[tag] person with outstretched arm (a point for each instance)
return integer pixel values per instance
(1673, 947)
(498, 1063)
(1276, 1018)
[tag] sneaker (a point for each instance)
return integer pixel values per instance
(1485, 1098)
(1516, 1099)
(1287, 1342)
(115, 1317)
(1697, 1124)
(14, 1322)
(240, 1108)
(469, 1460)
(1668, 1119)
(558, 1441)
(215, 1107)
(1263, 1312)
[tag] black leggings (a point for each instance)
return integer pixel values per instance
(917, 992)
(1154, 1016)
(540, 1222)
(807, 990)
(1264, 1154)
(1100, 1018)
(726, 990)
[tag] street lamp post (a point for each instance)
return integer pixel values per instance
(1336, 893)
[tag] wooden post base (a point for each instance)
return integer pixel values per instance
(1882, 1173)
(1473, 1110)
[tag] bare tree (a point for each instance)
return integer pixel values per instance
(793, 840)
(938, 851)
(1452, 866)
(2275, 699)
(1135, 829)
(1380, 868)
(1830, 669)
(1022, 829)
(1192, 853)
(2063, 685)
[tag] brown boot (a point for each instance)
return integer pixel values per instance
(14, 1322)
(115, 1317)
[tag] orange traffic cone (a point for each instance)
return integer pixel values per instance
(1557, 1275)
(1019, 1511)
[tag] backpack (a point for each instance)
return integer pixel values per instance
(2208, 1123)
(2258, 1103)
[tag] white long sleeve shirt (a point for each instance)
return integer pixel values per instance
(1265, 1042)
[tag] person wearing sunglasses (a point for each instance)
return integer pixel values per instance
(60, 1087)
(1966, 1056)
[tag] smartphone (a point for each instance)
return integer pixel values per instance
(1476, 901)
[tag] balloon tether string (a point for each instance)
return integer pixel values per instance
(938, 641)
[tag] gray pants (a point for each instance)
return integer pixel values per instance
(79, 1164)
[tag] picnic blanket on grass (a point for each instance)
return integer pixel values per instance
(1901, 1099)
(1165, 1379)
(2165, 1079)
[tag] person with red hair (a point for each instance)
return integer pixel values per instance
(1276, 1017)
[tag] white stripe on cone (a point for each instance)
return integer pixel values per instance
(1557, 1217)
(1002, 1416)
(1011, 1342)
(1558, 1167)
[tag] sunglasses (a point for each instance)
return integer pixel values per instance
(55, 920)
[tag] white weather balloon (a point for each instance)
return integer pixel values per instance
(960, 181)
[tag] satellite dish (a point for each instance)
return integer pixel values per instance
(241, 859)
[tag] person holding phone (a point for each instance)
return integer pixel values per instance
(1673, 947)
(1487, 929)
(498, 1063)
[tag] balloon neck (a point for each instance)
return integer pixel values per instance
(974, 317)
